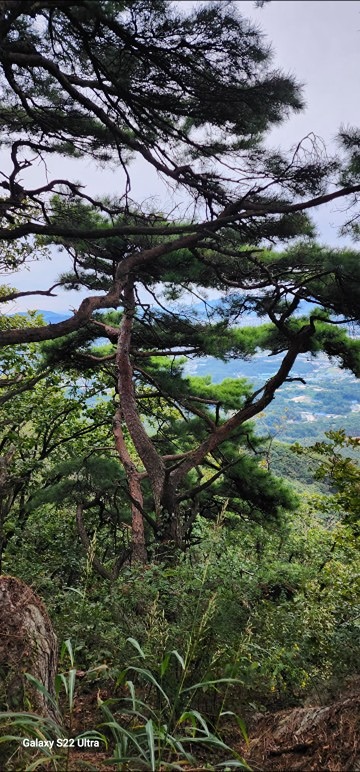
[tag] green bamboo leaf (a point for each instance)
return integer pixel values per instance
(71, 681)
(240, 722)
(149, 677)
(214, 683)
(165, 664)
(121, 677)
(198, 717)
(67, 647)
(134, 711)
(37, 726)
(179, 658)
(8, 738)
(177, 746)
(188, 715)
(149, 728)
(209, 739)
(41, 688)
(136, 646)
(128, 734)
(63, 680)
(18, 714)
(92, 734)
(131, 688)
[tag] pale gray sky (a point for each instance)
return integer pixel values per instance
(317, 41)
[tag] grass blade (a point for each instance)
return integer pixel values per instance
(214, 683)
(136, 646)
(71, 682)
(149, 677)
(149, 728)
(240, 722)
(41, 688)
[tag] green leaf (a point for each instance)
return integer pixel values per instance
(41, 688)
(240, 722)
(178, 657)
(71, 681)
(199, 718)
(136, 646)
(165, 664)
(149, 677)
(67, 647)
(131, 688)
(213, 683)
(149, 728)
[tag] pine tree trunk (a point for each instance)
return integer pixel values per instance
(139, 552)
(27, 645)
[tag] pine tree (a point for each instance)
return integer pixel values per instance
(192, 94)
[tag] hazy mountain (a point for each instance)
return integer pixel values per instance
(50, 316)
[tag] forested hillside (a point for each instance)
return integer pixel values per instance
(179, 486)
(327, 399)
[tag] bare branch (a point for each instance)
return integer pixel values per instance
(14, 295)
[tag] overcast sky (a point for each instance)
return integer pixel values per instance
(316, 41)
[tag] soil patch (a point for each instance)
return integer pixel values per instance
(317, 738)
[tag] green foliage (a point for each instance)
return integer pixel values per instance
(262, 597)
(57, 431)
(236, 88)
(340, 471)
(164, 729)
(54, 738)
(254, 585)
(149, 730)
(297, 469)
(269, 608)
(45, 420)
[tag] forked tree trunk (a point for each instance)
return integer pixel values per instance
(138, 545)
(27, 645)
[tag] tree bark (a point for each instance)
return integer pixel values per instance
(152, 461)
(165, 482)
(27, 644)
(139, 553)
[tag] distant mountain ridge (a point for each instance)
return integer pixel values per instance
(201, 310)
(50, 316)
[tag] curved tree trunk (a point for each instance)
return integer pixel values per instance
(27, 645)
(145, 448)
(139, 552)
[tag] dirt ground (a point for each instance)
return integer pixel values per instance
(310, 739)
(316, 738)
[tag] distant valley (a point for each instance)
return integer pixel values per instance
(329, 400)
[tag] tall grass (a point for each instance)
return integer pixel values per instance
(149, 734)
(154, 726)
